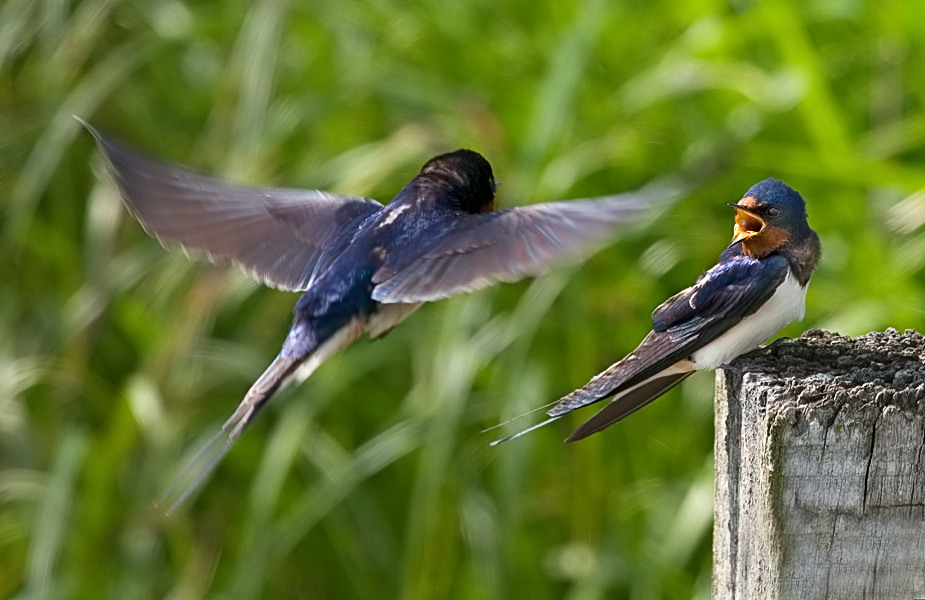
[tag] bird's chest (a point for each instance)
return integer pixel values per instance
(787, 303)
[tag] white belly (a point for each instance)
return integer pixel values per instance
(787, 303)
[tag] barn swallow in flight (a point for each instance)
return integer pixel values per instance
(757, 287)
(362, 267)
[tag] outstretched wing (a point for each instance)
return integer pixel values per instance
(276, 235)
(474, 251)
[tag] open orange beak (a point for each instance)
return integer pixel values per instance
(747, 223)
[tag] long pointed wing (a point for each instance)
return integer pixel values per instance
(474, 251)
(276, 235)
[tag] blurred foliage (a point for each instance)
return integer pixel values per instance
(374, 479)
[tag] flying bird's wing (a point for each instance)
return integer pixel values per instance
(276, 235)
(474, 251)
(681, 325)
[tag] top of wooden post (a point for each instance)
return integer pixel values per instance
(820, 470)
(815, 374)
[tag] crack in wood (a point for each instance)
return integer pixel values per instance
(870, 460)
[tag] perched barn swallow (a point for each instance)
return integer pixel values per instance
(363, 267)
(757, 287)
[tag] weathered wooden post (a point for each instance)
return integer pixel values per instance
(820, 470)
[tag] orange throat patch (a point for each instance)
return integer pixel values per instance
(761, 243)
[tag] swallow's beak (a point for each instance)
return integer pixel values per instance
(747, 223)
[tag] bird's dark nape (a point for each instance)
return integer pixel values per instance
(462, 160)
(470, 176)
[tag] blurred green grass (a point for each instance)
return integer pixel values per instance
(374, 479)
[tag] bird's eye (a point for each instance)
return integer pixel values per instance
(773, 212)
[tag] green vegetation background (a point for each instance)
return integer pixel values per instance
(374, 479)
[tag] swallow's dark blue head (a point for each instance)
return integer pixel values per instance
(769, 216)
(468, 177)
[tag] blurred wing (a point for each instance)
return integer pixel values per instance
(474, 251)
(275, 235)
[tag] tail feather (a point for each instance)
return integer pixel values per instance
(524, 431)
(301, 355)
(626, 403)
(626, 400)
(602, 385)
(273, 379)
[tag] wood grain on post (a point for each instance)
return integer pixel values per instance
(820, 470)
